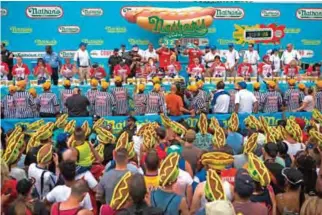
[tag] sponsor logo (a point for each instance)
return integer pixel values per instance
(292, 30)
(69, 29)
(44, 12)
(45, 42)
(309, 13)
(17, 30)
(115, 30)
(225, 41)
(92, 12)
(93, 42)
(139, 42)
(311, 42)
(229, 13)
(270, 13)
(101, 53)
(3, 12)
(306, 53)
(29, 55)
(66, 54)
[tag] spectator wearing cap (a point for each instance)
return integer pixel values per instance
(104, 101)
(232, 57)
(140, 100)
(77, 104)
(258, 95)
(122, 70)
(91, 94)
(82, 61)
(276, 62)
(23, 101)
(243, 190)
(245, 100)
(121, 97)
(291, 70)
(7, 57)
(272, 100)
(150, 53)
(42, 71)
(265, 69)
(308, 103)
(318, 96)
(20, 70)
(314, 70)
(252, 57)
(114, 60)
(164, 56)
(7, 104)
(292, 199)
(52, 59)
(217, 69)
(293, 97)
(68, 70)
(289, 55)
(196, 69)
(65, 94)
(97, 72)
(49, 105)
(193, 52)
(4, 70)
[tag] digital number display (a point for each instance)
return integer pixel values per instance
(259, 34)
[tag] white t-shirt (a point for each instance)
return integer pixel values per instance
(275, 59)
(231, 57)
(222, 103)
(252, 57)
(61, 193)
(293, 148)
(245, 99)
(183, 181)
(211, 57)
(287, 56)
(83, 57)
(310, 103)
(148, 54)
(17, 173)
(49, 180)
(89, 178)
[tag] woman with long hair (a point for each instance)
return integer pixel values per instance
(306, 164)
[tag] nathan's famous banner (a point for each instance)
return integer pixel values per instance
(27, 27)
(119, 122)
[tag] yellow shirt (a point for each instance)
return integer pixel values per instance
(151, 182)
(84, 151)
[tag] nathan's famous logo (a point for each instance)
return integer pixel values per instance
(45, 42)
(311, 42)
(115, 30)
(68, 29)
(19, 30)
(101, 53)
(225, 41)
(92, 12)
(66, 54)
(29, 55)
(3, 12)
(309, 13)
(292, 30)
(44, 12)
(270, 13)
(191, 21)
(271, 33)
(229, 13)
(93, 42)
(139, 42)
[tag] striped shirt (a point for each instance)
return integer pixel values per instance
(140, 101)
(48, 103)
(37, 103)
(155, 103)
(232, 94)
(199, 104)
(8, 107)
(293, 98)
(91, 95)
(205, 96)
(24, 104)
(64, 95)
(121, 97)
(272, 102)
(103, 104)
(318, 102)
(259, 96)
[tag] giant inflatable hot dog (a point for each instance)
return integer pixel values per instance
(170, 20)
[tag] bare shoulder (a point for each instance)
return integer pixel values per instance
(85, 212)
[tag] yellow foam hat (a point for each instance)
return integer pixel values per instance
(12, 88)
(46, 86)
(118, 79)
(301, 86)
(169, 170)
(45, 154)
(157, 87)
(141, 87)
(200, 84)
(256, 85)
(104, 85)
(121, 192)
(21, 84)
(291, 82)
(94, 82)
(156, 80)
(319, 84)
(67, 83)
(193, 88)
(33, 92)
(271, 84)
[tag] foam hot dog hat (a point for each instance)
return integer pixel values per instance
(203, 124)
(121, 192)
(149, 141)
(214, 123)
(169, 170)
(98, 123)
(16, 130)
(257, 170)
(61, 121)
(130, 150)
(219, 137)
(147, 128)
(166, 121)
(122, 141)
(46, 131)
(70, 127)
(294, 130)
(11, 153)
(104, 136)
(317, 136)
(317, 115)
(35, 125)
(233, 122)
(86, 128)
(214, 189)
(250, 144)
(100, 150)
(253, 123)
(216, 160)
(178, 128)
(45, 154)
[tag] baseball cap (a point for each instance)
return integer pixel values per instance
(135, 48)
(220, 207)
(230, 45)
(174, 149)
(213, 47)
(207, 47)
(95, 65)
(24, 186)
(292, 175)
(244, 184)
(116, 50)
(242, 84)
(123, 45)
(190, 135)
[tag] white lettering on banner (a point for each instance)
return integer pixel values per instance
(92, 12)
(68, 29)
(20, 30)
(29, 55)
(101, 53)
(44, 12)
(229, 13)
(306, 53)
(66, 54)
(3, 12)
(202, 41)
(309, 13)
(270, 13)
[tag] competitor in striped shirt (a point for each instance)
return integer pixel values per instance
(232, 94)
(203, 93)
(258, 95)
(121, 97)
(140, 101)
(293, 97)
(155, 101)
(104, 102)
(272, 100)
(91, 95)
(35, 97)
(7, 105)
(65, 94)
(23, 102)
(318, 95)
(198, 103)
(49, 105)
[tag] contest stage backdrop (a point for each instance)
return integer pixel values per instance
(29, 26)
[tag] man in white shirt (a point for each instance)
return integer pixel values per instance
(245, 100)
(276, 62)
(210, 58)
(232, 57)
(150, 53)
(221, 99)
(82, 60)
(290, 54)
(252, 57)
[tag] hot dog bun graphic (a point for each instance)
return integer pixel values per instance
(140, 15)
